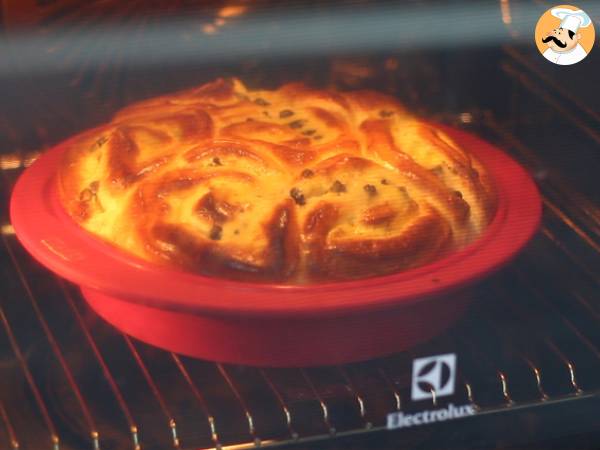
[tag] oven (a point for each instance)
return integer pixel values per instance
(525, 355)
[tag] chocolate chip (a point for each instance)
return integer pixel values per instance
(307, 173)
(385, 113)
(309, 132)
(216, 161)
(458, 194)
(216, 232)
(286, 113)
(236, 231)
(437, 170)
(296, 124)
(261, 102)
(99, 143)
(266, 113)
(403, 190)
(86, 195)
(338, 187)
(384, 181)
(370, 189)
(298, 196)
(316, 138)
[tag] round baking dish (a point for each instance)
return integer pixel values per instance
(269, 324)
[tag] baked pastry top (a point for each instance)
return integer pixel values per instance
(294, 185)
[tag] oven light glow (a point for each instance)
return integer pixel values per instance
(506, 15)
(209, 29)
(10, 161)
(466, 117)
(7, 229)
(232, 11)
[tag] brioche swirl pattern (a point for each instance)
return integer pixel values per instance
(293, 185)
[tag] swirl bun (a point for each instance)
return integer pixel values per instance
(295, 185)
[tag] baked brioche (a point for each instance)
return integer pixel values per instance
(294, 185)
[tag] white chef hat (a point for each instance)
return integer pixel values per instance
(571, 20)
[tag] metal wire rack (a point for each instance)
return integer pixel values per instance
(531, 339)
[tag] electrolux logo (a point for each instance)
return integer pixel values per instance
(433, 375)
(402, 420)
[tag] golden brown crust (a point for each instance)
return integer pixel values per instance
(294, 185)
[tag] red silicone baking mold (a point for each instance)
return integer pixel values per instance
(269, 324)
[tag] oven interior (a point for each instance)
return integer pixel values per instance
(528, 348)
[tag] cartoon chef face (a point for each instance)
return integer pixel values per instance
(561, 40)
